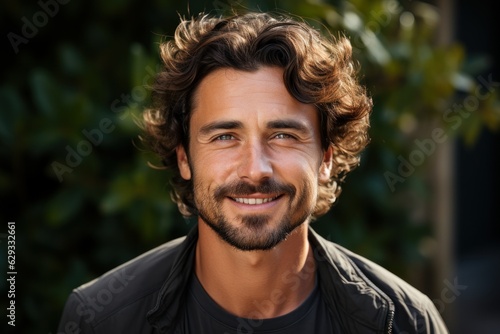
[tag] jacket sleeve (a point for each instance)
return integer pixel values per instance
(424, 319)
(434, 323)
(76, 317)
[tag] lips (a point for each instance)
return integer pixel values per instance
(265, 192)
(254, 201)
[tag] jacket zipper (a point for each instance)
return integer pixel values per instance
(390, 321)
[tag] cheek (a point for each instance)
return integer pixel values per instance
(302, 174)
(213, 167)
(300, 166)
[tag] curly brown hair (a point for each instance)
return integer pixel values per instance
(318, 70)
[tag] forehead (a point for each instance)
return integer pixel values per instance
(258, 95)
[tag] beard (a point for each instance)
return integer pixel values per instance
(255, 231)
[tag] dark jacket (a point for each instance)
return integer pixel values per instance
(146, 294)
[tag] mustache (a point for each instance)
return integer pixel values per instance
(241, 188)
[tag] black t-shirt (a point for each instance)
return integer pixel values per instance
(205, 316)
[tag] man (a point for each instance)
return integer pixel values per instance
(259, 119)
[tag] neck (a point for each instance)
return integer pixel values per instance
(256, 284)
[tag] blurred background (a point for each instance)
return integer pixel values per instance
(74, 176)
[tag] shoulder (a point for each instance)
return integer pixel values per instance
(398, 290)
(150, 267)
(413, 310)
(129, 290)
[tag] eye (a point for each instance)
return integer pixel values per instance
(283, 136)
(224, 137)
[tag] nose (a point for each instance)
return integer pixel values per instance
(255, 164)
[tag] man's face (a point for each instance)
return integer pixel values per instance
(255, 157)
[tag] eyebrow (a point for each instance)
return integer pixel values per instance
(288, 124)
(232, 125)
(220, 125)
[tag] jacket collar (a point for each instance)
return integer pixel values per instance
(165, 313)
(353, 300)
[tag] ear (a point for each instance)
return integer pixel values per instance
(325, 169)
(183, 162)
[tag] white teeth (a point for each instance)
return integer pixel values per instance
(253, 201)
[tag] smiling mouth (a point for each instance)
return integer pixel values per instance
(254, 201)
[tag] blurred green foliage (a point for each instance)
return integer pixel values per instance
(76, 180)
